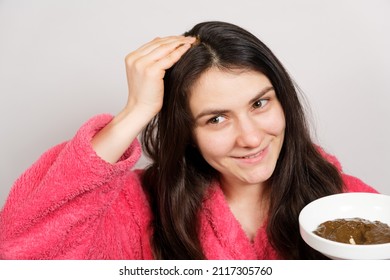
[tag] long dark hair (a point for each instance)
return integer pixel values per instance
(178, 176)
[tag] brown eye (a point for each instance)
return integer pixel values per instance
(260, 103)
(216, 120)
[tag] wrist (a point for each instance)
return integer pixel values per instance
(114, 139)
(137, 117)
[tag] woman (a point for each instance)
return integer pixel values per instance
(232, 163)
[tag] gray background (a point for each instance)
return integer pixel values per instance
(62, 62)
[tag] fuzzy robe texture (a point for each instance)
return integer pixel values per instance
(71, 204)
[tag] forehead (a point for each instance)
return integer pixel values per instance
(217, 87)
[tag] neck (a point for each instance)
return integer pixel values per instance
(250, 193)
(248, 203)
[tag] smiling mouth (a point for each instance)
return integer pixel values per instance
(253, 155)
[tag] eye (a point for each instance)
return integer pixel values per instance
(216, 120)
(260, 103)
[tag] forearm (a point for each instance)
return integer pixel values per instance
(114, 139)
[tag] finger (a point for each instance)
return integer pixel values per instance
(166, 49)
(157, 42)
(169, 60)
(143, 52)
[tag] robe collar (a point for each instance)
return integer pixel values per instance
(221, 234)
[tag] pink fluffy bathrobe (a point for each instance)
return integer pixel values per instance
(71, 204)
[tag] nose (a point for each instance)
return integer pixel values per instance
(249, 134)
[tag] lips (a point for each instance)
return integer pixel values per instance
(252, 158)
(253, 155)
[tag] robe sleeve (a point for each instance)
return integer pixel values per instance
(56, 205)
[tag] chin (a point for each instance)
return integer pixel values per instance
(256, 181)
(258, 178)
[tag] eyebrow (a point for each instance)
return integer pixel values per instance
(208, 112)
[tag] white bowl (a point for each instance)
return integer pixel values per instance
(370, 206)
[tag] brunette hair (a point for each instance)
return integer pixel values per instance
(178, 175)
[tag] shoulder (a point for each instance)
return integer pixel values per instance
(354, 184)
(330, 158)
(136, 197)
(351, 183)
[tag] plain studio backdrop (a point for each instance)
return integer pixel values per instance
(61, 62)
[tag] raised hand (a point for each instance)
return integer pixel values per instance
(145, 69)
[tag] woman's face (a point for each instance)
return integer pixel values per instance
(239, 124)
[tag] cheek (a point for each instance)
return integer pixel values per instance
(278, 127)
(213, 145)
(276, 124)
